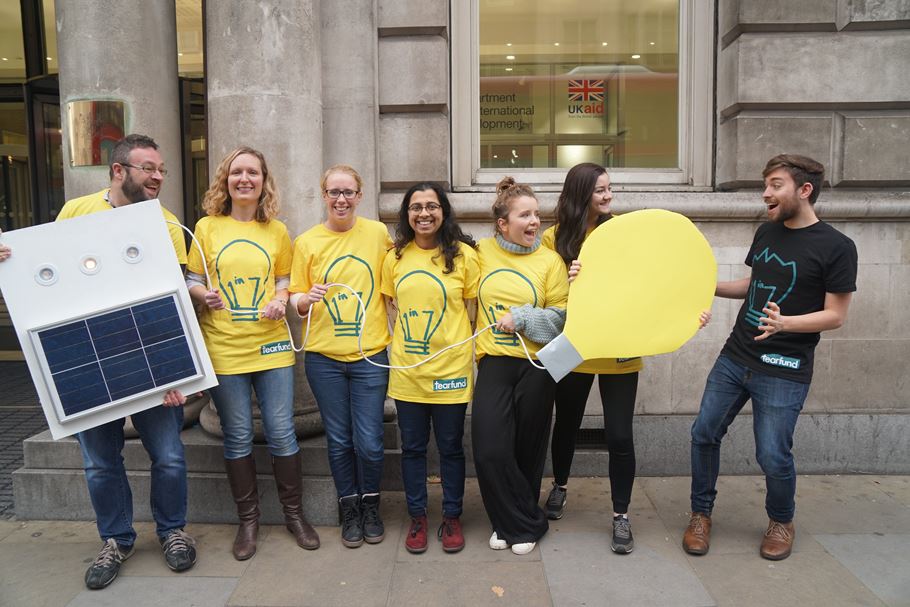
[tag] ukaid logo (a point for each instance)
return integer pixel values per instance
(275, 347)
(459, 383)
(586, 98)
(779, 360)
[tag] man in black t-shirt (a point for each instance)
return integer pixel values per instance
(803, 277)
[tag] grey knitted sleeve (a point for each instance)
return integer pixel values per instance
(195, 280)
(540, 325)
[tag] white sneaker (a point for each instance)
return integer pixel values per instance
(523, 548)
(496, 543)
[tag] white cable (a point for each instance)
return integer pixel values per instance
(363, 309)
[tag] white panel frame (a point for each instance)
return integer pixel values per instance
(696, 106)
(74, 295)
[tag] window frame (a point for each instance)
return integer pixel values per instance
(696, 107)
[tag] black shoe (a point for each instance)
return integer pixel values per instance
(179, 550)
(556, 502)
(373, 529)
(106, 566)
(351, 524)
(622, 535)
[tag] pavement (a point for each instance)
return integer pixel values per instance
(852, 548)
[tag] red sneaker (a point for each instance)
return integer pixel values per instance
(416, 539)
(450, 534)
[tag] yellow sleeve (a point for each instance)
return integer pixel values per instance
(178, 241)
(557, 290)
(66, 212)
(549, 238)
(283, 262)
(300, 267)
(471, 272)
(194, 259)
(386, 278)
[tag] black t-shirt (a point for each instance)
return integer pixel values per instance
(794, 269)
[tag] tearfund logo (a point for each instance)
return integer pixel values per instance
(275, 347)
(418, 324)
(458, 383)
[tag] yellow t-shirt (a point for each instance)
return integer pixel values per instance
(605, 366)
(244, 258)
(431, 316)
(510, 280)
(354, 258)
(94, 203)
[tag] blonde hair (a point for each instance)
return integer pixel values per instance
(507, 191)
(341, 168)
(217, 201)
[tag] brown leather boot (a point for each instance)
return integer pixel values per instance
(242, 478)
(697, 538)
(288, 478)
(778, 540)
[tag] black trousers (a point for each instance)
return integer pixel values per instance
(510, 425)
(617, 394)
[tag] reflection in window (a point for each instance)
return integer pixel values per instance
(569, 81)
(15, 204)
(189, 38)
(12, 54)
(50, 37)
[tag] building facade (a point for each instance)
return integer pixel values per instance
(682, 100)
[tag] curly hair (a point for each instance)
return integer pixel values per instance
(449, 234)
(217, 201)
(573, 208)
(507, 191)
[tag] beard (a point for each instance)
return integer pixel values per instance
(133, 191)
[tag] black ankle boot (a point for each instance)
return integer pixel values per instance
(373, 529)
(351, 525)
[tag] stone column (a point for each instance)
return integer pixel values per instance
(349, 98)
(126, 51)
(264, 79)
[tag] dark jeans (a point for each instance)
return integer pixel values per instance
(350, 398)
(448, 426)
(617, 395)
(510, 425)
(776, 404)
(159, 429)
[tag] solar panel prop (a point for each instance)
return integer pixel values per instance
(645, 278)
(103, 316)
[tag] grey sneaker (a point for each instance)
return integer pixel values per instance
(179, 550)
(556, 502)
(622, 535)
(106, 566)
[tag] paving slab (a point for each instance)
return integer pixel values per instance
(582, 570)
(805, 578)
(55, 532)
(880, 561)
(848, 504)
(8, 527)
(435, 584)
(157, 591)
(283, 574)
(33, 575)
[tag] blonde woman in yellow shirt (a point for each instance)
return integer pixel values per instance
(248, 256)
(523, 289)
(430, 276)
(349, 391)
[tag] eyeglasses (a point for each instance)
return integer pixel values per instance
(147, 169)
(430, 207)
(348, 194)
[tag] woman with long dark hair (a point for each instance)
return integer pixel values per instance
(523, 289)
(431, 276)
(583, 205)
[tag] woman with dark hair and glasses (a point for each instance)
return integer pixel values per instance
(431, 279)
(349, 391)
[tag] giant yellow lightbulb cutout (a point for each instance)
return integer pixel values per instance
(645, 278)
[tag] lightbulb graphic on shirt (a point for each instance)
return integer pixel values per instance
(243, 269)
(761, 293)
(419, 324)
(342, 306)
(504, 281)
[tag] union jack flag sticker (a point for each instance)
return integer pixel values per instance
(586, 90)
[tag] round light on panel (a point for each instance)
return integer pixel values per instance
(90, 264)
(132, 253)
(46, 275)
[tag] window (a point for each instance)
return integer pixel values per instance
(540, 86)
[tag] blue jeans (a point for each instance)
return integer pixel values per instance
(776, 404)
(275, 393)
(350, 398)
(448, 426)
(159, 429)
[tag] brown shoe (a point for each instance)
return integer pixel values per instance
(241, 475)
(778, 540)
(289, 480)
(697, 537)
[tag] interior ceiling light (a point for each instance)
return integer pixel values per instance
(651, 43)
(603, 44)
(508, 44)
(555, 44)
(636, 56)
(510, 57)
(508, 69)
